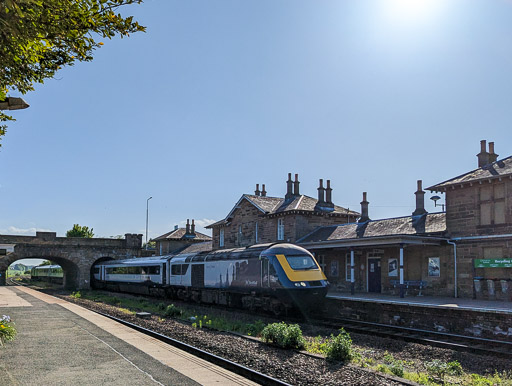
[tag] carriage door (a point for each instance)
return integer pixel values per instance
(197, 275)
(374, 274)
(265, 277)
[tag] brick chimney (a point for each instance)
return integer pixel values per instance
(364, 210)
(193, 228)
(187, 228)
(257, 191)
(328, 194)
(321, 192)
(483, 156)
(296, 186)
(263, 191)
(289, 185)
(493, 157)
(420, 201)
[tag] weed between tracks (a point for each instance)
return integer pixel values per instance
(335, 347)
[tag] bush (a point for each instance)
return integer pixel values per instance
(172, 311)
(397, 368)
(454, 368)
(340, 347)
(255, 329)
(76, 295)
(283, 335)
(7, 330)
(437, 369)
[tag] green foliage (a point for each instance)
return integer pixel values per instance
(454, 368)
(437, 369)
(38, 37)
(339, 347)
(397, 368)
(316, 346)
(172, 311)
(7, 330)
(283, 335)
(76, 295)
(46, 262)
(255, 329)
(80, 231)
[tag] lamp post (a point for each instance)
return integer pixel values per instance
(11, 103)
(435, 199)
(147, 217)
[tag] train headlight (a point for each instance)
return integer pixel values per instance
(302, 284)
(297, 284)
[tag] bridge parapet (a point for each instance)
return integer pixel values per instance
(131, 240)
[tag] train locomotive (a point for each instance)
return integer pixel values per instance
(270, 277)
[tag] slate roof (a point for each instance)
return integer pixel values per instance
(205, 246)
(276, 205)
(180, 234)
(500, 168)
(430, 224)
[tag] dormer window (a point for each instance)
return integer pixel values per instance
(280, 229)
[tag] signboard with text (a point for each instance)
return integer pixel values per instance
(493, 263)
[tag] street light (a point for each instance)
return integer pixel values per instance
(11, 103)
(435, 199)
(147, 216)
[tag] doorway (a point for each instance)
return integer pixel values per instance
(374, 275)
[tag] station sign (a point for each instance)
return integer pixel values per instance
(493, 263)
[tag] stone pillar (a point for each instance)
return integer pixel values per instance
(352, 278)
(401, 270)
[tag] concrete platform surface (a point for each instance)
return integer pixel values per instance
(429, 301)
(60, 343)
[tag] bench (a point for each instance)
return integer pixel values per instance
(420, 284)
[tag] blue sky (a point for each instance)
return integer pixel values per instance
(220, 95)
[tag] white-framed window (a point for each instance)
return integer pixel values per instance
(256, 233)
(347, 267)
(239, 235)
(221, 237)
(280, 229)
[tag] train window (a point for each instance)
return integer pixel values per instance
(184, 269)
(96, 270)
(153, 270)
(176, 269)
(301, 262)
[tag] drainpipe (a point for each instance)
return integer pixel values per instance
(454, 264)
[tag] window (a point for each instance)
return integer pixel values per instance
(301, 262)
(221, 237)
(492, 204)
(280, 229)
(179, 269)
(239, 235)
(256, 233)
(321, 262)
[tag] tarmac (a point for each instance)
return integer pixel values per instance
(61, 343)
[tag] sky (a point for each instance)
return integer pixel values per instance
(220, 95)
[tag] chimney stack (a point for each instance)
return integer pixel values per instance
(263, 191)
(420, 201)
(328, 194)
(493, 157)
(193, 228)
(483, 156)
(289, 184)
(187, 229)
(321, 193)
(296, 186)
(175, 227)
(257, 191)
(364, 210)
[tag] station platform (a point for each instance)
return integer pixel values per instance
(61, 343)
(429, 301)
(478, 318)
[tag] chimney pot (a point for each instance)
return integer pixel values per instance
(483, 156)
(328, 194)
(296, 186)
(257, 191)
(263, 191)
(321, 192)
(493, 157)
(193, 228)
(364, 209)
(187, 228)
(420, 200)
(289, 184)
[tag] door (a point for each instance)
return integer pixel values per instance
(374, 275)
(198, 275)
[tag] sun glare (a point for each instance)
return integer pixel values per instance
(410, 11)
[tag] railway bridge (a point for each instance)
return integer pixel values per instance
(75, 255)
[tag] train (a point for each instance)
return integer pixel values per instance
(270, 277)
(51, 273)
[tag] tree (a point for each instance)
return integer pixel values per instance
(46, 262)
(38, 37)
(80, 231)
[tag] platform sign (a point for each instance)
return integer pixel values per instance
(493, 263)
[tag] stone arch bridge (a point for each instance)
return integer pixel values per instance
(75, 255)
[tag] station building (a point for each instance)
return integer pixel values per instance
(182, 240)
(463, 252)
